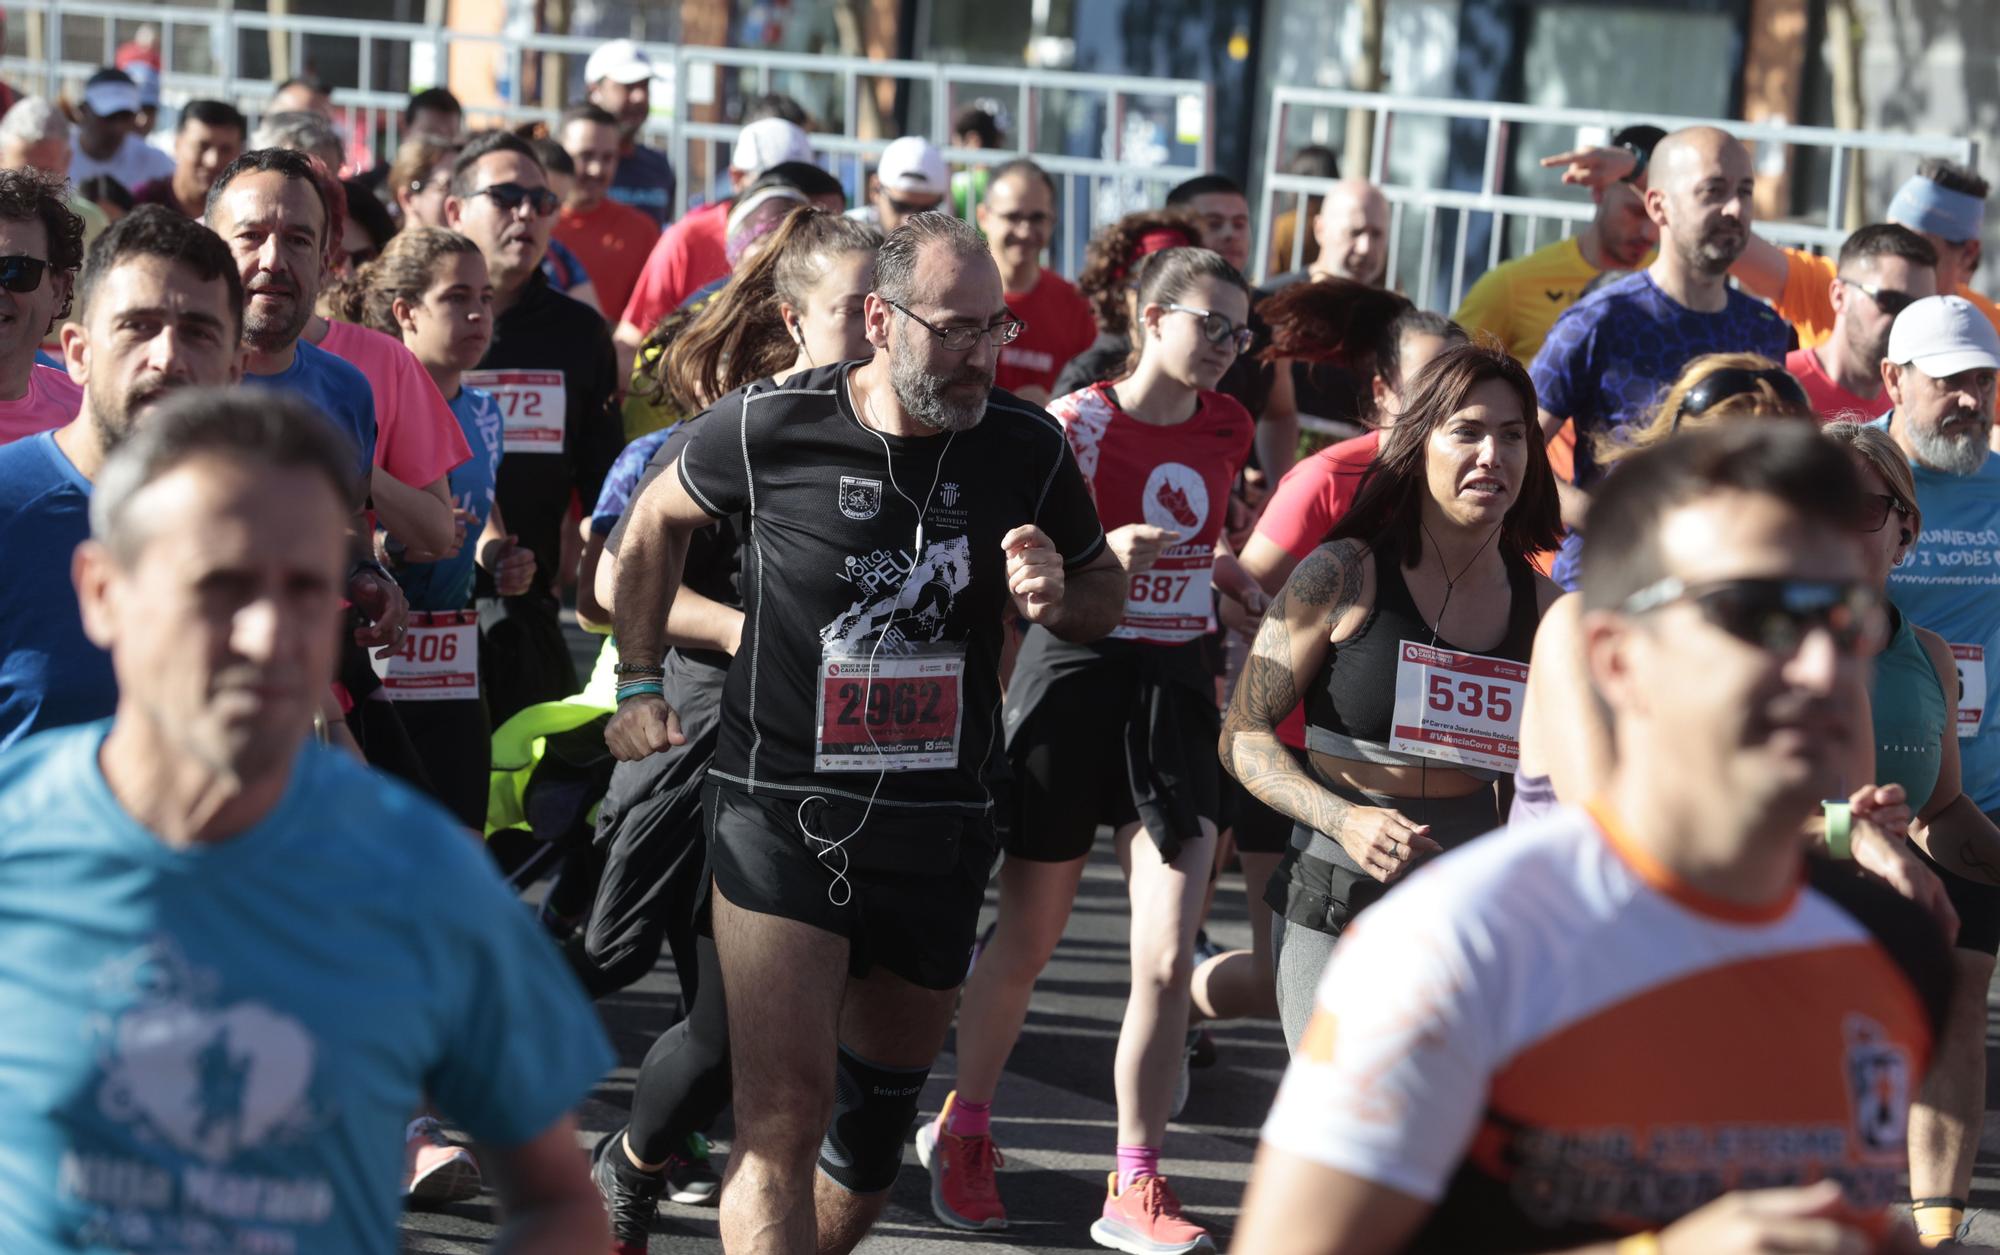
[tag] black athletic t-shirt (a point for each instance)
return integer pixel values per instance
(870, 639)
(552, 369)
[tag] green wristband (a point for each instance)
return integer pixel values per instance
(1839, 829)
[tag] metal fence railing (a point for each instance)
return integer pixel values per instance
(1482, 224)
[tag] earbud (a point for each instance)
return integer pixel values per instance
(1908, 536)
(798, 337)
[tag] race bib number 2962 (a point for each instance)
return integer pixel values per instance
(889, 712)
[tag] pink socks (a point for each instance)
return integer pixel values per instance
(1135, 1162)
(968, 1119)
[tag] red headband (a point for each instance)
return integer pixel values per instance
(1157, 240)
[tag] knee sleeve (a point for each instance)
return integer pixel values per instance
(873, 1109)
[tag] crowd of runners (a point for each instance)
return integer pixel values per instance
(920, 567)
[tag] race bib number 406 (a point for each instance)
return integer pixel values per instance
(533, 403)
(438, 660)
(889, 712)
(1458, 708)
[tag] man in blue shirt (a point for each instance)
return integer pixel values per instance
(219, 1015)
(159, 304)
(1940, 372)
(619, 78)
(1610, 356)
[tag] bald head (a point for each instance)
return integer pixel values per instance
(1700, 193)
(1353, 233)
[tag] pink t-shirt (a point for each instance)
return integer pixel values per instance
(1829, 399)
(688, 255)
(51, 400)
(417, 439)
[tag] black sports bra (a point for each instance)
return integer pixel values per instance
(1350, 709)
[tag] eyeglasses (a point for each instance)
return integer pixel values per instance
(1217, 328)
(1721, 385)
(508, 197)
(959, 339)
(1876, 508)
(1776, 615)
(1891, 301)
(21, 273)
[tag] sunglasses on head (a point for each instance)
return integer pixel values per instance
(1216, 328)
(1776, 615)
(21, 273)
(511, 196)
(1890, 301)
(1736, 381)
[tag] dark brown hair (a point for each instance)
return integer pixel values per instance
(1112, 257)
(405, 271)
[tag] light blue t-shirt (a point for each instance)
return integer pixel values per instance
(218, 1048)
(338, 389)
(1950, 584)
(50, 673)
(447, 585)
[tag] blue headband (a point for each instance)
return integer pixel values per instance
(1922, 205)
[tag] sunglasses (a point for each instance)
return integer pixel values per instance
(1776, 615)
(907, 208)
(1890, 301)
(1876, 508)
(509, 197)
(21, 273)
(1735, 382)
(1216, 328)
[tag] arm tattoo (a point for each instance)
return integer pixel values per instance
(1269, 691)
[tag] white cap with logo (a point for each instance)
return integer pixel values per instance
(621, 61)
(769, 142)
(1943, 335)
(912, 166)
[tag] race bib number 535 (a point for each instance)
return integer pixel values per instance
(1458, 708)
(889, 712)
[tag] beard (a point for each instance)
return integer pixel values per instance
(268, 330)
(927, 398)
(1716, 250)
(114, 414)
(1959, 452)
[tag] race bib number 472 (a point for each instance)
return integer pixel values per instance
(533, 404)
(1458, 708)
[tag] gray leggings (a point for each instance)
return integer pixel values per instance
(1300, 955)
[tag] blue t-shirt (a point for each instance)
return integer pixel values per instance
(623, 481)
(563, 268)
(447, 585)
(340, 391)
(50, 673)
(1611, 355)
(1950, 583)
(218, 1048)
(645, 181)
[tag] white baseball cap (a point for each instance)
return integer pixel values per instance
(621, 61)
(109, 92)
(912, 165)
(1943, 335)
(769, 142)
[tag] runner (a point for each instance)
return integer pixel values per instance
(1221, 214)
(1433, 551)
(612, 239)
(1110, 262)
(173, 281)
(41, 248)
(803, 292)
(1939, 375)
(848, 808)
(1538, 1022)
(1119, 731)
(551, 368)
(248, 1015)
(1018, 216)
(1883, 267)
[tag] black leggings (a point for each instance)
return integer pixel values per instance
(684, 1083)
(455, 744)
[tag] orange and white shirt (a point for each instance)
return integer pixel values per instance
(1553, 1041)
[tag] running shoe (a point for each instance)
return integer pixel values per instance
(964, 1194)
(691, 1179)
(631, 1196)
(1146, 1220)
(435, 1168)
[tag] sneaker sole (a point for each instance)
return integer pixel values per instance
(926, 1150)
(701, 1195)
(1119, 1238)
(452, 1182)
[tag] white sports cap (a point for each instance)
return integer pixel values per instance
(913, 166)
(621, 61)
(109, 92)
(769, 142)
(1943, 335)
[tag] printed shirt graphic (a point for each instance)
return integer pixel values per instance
(1174, 477)
(217, 1049)
(829, 559)
(1059, 327)
(1950, 583)
(1555, 1042)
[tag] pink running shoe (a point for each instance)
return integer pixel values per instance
(1146, 1220)
(435, 1168)
(964, 1194)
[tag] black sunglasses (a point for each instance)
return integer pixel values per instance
(21, 273)
(1776, 615)
(1876, 508)
(1890, 301)
(511, 196)
(1216, 328)
(1735, 382)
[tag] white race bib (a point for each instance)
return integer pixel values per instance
(438, 660)
(1971, 660)
(1171, 602)
(533, 403)
(1458, 708)
(880, 711)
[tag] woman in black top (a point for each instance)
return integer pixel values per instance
(1424, 587)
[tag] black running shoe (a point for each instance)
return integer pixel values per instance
(631, 1196)
(691, 1179)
